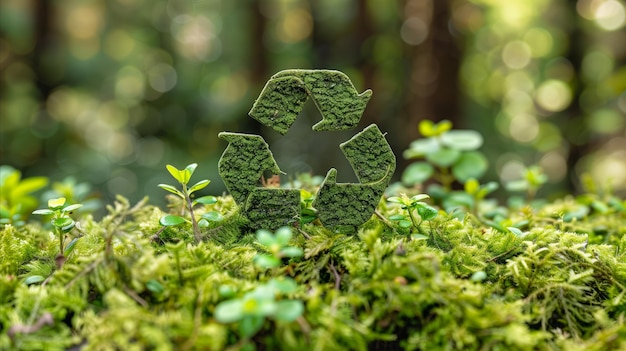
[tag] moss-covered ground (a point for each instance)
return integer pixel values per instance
(558, 282)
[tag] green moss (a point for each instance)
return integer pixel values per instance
(283, 96)
(120, 289)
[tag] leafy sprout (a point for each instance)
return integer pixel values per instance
(278, 247)
(413, 204)
(448, 155)
(183, 176)
(61, 221)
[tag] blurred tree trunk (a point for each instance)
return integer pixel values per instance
(432, 91)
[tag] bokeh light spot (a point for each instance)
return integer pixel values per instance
(414, 31)
(295, 25)
(516, 54)
(553, 95)
(539, 40)
(162, 77)
(610, 15)
(523, 128)
(554, 166)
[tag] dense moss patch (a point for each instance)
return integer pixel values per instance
(558, 283)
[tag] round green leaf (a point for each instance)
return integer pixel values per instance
(171, 220)
(212, 216)
(63, 222)
(284, 285)
(470, 165)
(266, 261)
(465, 140)
(288, 310)
(421, 147)
(417, 173)
(205, 200)
(444, 157)
(265, 237)
(427, 128)
(283, 235)
(478, 276)
(250, 325)
(426, 212)
(229, 311)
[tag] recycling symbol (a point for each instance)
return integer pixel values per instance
(248, 156)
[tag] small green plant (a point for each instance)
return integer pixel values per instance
(16, 201)
(478, 192)
(183, 176)
(252, 309)
(278, 247)
(413, 204)
(62, 222)
(532, 179)
(449, 155)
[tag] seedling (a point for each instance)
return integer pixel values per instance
(183, 176)
(532, 179)
(278, 247)
(479, 191)
(449, 155)
(61, 221)
(412, 205)
(252, 309)
(16, 201)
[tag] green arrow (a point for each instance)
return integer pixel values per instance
(283, 96)
(243, 162)
(350, 204)
(241, 166)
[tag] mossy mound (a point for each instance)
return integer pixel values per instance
(556, 283)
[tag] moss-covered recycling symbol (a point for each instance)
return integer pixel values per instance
(248, 156)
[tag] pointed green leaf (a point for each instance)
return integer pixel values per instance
(199, 185)
(44, 212)
(171, 189)
(171, 220)
(176, 173)
(419, 197)
(70, 247)
(191, 168)
(71, 208)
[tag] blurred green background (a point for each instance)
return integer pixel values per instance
(111, 91)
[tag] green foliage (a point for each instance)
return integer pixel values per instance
(449, 155)
(278, 247)
(412, 205)
(183, 176)
(532, 179)
(16, 200)
(61, 222)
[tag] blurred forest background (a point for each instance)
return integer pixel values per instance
(109, 92)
